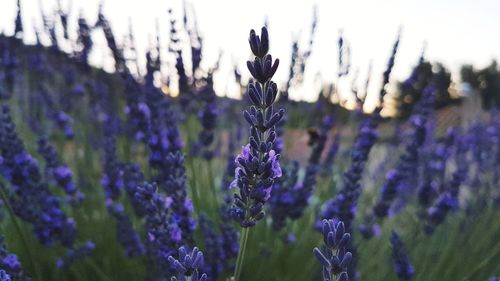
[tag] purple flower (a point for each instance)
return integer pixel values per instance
(208, 119)
(10, 266)
(448, 199)
(12, 262)
(400, 260)
(344, 205)
(125, 232)
(161, 226)
(76, 253)
(334, 257)
(31, 198)
(219, 249)
(258, 164)
(187, 265)
(4, 276)
(59, 172)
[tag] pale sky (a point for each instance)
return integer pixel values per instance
(456, 31)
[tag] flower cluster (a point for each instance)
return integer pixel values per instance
(9, 64)
(102, 22)
(84, 40)
(176, 187)
(400, 260)
(208, 118)
(298, 59)
(399, 181)
(344, 204)
(75, 254)
(125, 232)
(133, 177)
(162, 233)
(60, 118)
(10, 266)
(221, 247)
(447, 200)
(434, 169)
(284, 196)
(137, 110)
(4, 276)
(18, 22)
(364, 142)
(112, 179)
(30, 196)
(334, 258)
(258, 164)
(188, 265)
(59, 172)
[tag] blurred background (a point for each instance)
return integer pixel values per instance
(453, 33)
(120, 122)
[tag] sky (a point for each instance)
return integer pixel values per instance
(455, 32)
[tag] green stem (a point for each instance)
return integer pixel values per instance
(190, 159)
(5, 199)
(241, 253)
(98, 270)
(212, 185)
(194, 188)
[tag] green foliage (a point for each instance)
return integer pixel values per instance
(465, 247)
(486, 81)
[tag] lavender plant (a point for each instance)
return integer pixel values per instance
(59, 172)
(334, 258)
(187, 265)
(448, 199)
(258, 164)
(399, 179)
(344, 205)
(4, 276)
(65, 125)
(400, 260)
(289, 198)
(162, 233)
(208, 120)
(29, 195)
(10, 266)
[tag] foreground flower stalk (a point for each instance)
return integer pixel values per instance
(400, 260)
(334, 258)
(187, 265)
(257, 164)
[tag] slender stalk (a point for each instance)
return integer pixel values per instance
(5, 199)
(212, 184)
(193, 184)
(191, 163)
(98, 270)
(241, 253)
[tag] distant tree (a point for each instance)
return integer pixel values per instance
(410, 90)
(486, 81)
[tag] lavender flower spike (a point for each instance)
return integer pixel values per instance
(334, 257)
(187, 265)
(400, 260)
(10, 266)
(4, 276)
(258, 164)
